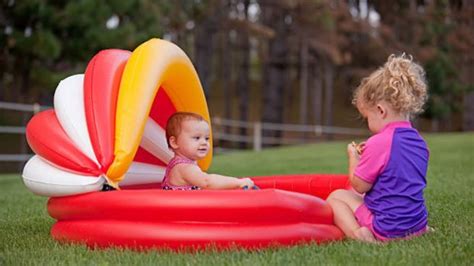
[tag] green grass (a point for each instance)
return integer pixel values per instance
(25, 224)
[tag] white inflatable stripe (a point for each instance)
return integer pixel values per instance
(69, 107)
(143, 173)
(154, 141)
(44, 179)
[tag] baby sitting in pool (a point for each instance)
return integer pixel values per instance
(187, 135)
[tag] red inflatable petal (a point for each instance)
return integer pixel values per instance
(143, 156)
(47, 138)
(162, 108)
(101, 85)
(160, 112)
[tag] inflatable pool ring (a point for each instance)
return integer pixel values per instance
(107, 126)
(177, 220)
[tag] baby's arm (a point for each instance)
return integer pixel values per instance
(193, 175)
(357, 183)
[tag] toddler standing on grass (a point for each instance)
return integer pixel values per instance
(188, 136)
(391, 166)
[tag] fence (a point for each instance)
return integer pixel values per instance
(222, 127)
(222, 132)
(28, 108)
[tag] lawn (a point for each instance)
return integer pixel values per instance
(25, 224)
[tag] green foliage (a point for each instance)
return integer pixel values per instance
(44, 41)
(327, 20)
(443, 89)
(57, 37)
(25, 225)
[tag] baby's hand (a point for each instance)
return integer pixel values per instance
(246, 182)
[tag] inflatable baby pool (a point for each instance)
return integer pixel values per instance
(107, 125)
(180, 220)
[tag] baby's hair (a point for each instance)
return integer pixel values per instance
(173, 126)
(400, 82)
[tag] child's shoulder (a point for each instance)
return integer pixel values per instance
(379, 139)
(185, 166)
(376, 147)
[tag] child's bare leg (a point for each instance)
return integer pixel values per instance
(343, 216)
(344, 203)
(364, 234)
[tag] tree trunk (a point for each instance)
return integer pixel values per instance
(3, 70)
(317, 94)
(304, 81)
(2, 86)
(467, 76)
(468, 112)
(204, 50)
(243, 77)
(328, 93)
(24, 89)
(435, 124)
(226, 74)
(226, 57)
(276, 67)
(21, 80)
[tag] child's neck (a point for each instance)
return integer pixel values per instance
(177, 154)
(395, 117)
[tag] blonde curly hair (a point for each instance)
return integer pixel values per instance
(400, 82)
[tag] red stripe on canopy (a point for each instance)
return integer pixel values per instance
(162, 108)
(143, 156)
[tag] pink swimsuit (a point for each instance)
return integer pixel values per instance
(166, 185)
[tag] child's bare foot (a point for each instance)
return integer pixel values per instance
(363, 234)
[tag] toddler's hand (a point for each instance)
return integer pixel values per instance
(352, 152)
(359, 147)
(246, 182)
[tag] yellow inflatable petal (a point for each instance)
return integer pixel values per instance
(153, 65)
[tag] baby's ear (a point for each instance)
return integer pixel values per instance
(173, 143)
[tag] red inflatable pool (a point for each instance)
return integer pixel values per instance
(287, 210)
(108, 125)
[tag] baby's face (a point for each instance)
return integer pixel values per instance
(193, 140)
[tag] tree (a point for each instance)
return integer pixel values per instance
(275, 66)
(44, 41)
(462, 41)
(243, 73)
(439, 35)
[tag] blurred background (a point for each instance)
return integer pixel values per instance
(274, 71)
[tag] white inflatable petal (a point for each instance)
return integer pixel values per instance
(69, 107)
(43, 179)
(143, 173)
(154, 141)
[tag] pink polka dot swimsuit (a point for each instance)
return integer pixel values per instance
(166, 185)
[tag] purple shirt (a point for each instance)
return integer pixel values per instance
(395, 161)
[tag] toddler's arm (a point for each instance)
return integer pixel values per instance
(357, 183)
(196, 177)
